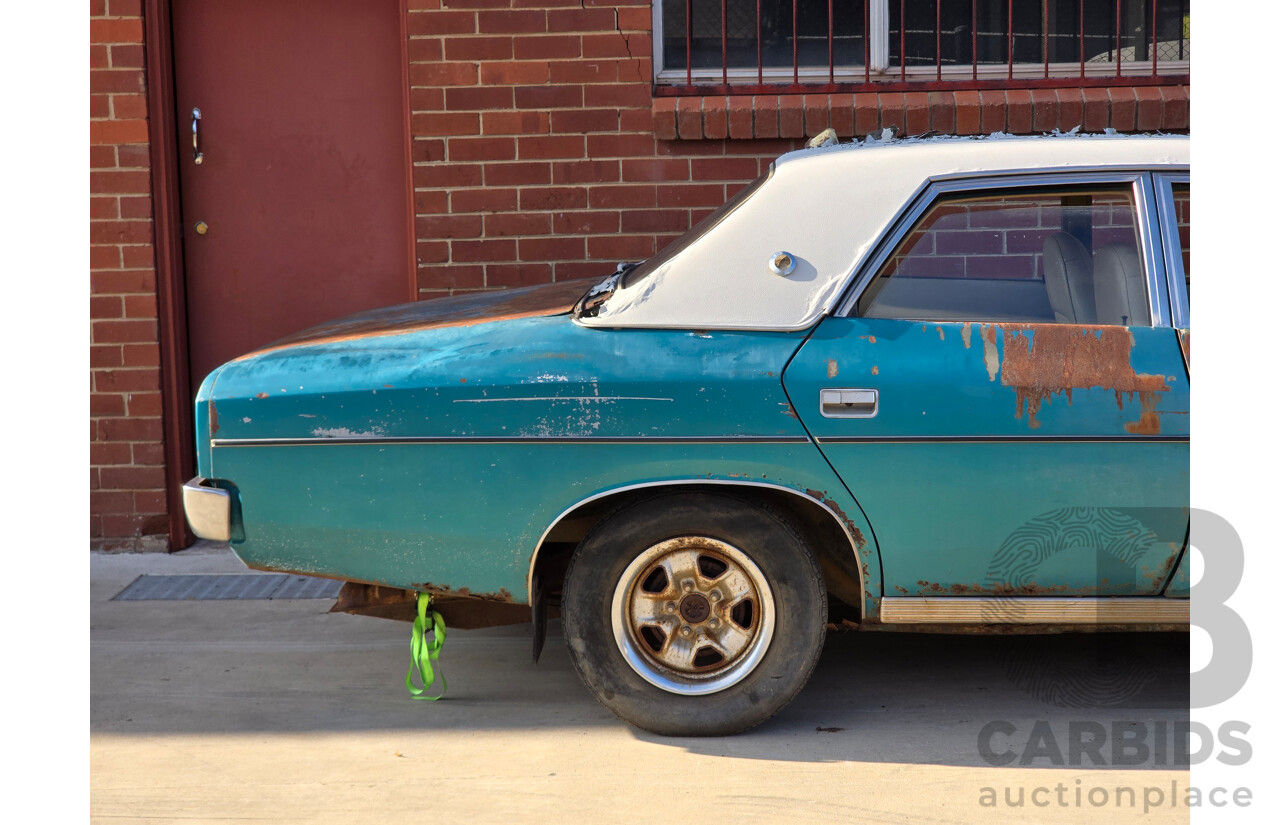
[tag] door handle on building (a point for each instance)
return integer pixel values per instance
(198, 156)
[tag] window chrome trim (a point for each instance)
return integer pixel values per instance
(1139, 179)
(1175, 275)
(1149, 234)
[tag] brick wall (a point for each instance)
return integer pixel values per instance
(1004, 237)
(534, 152)
(540, 153)
(126, 474)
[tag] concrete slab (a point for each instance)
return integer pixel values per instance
(276, 710)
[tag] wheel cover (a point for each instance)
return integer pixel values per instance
(693, 615)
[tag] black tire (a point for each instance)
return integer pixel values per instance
(768, 671)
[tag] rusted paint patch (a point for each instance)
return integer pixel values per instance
(1184, 341)
(456, 311)
(502, 595)
(213, 418)
(875, 370)
(833, 369)
(942, 333)
(966, 334)
(990, 352)
(788, 410)
(870, 339)
(361, 599)
(859, 540)
(1162, 571)
(988, 589)
(261, 395)
(1044, 360)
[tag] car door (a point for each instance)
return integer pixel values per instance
(1173, 192)
(1002, 392)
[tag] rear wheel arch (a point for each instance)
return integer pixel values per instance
(845, 576)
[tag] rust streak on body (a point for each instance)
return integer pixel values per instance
(456, 311)
(503, 595)
(859, 540)
(1041, 361)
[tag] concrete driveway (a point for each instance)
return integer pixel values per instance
(277, 711)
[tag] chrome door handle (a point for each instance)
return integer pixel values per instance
(198, 156)
(849, 403)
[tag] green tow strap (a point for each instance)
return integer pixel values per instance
(422, 652)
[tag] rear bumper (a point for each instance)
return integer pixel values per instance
(208, 509)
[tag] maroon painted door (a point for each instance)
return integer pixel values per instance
(300, 208)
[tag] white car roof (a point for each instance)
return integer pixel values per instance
(827, 207)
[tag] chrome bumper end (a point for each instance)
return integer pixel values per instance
(208, 509)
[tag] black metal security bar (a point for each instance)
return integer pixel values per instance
(772, 46)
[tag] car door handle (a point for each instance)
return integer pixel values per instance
(849, 403)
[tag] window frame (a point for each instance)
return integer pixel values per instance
(1144, 199)
(1180, 302)
(879, 71)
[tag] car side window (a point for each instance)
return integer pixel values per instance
(1069, 255)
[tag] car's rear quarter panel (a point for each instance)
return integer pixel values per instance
(511, 424)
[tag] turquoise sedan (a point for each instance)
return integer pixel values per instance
(936, 385)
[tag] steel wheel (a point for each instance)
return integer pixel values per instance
(693, 615)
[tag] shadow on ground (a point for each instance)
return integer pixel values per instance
(288, 666)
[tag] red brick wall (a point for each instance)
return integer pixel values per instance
(534, 151)
(126, 474)
(540, 153)
(1004, 237)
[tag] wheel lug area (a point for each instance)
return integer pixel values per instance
(670, 607)
(694, 608)
(687, 585)
(686, 630)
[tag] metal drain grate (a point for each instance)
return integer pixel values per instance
(202, 588)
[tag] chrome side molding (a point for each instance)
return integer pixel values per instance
(978, 610)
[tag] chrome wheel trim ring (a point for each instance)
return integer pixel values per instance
(741, 647)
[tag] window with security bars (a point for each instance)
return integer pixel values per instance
(938, 43)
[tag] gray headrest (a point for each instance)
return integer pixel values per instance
(1120, 288)
(1068, 276)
